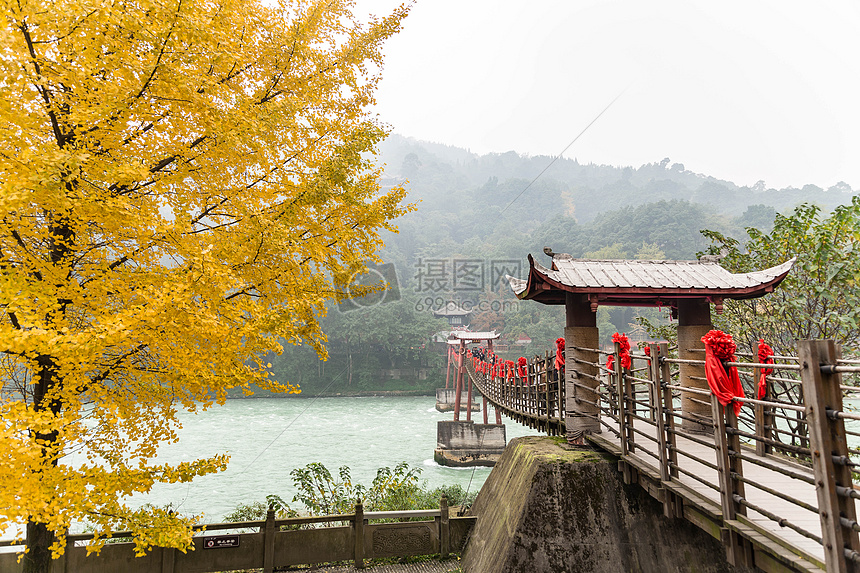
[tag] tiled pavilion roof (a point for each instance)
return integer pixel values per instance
(642, 283)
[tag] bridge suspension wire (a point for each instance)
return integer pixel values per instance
(575, 139)
(293, 421)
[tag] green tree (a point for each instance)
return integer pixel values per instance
(650, 252)
(820, 297)
(613, 251)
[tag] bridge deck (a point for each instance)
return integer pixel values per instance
(810, 550)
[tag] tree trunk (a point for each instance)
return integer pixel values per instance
(38, 556)
(39, 538)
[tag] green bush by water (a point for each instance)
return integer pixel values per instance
(322, 493)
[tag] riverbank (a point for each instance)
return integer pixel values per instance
(345, 394)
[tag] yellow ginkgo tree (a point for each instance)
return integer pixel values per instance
(183, 185)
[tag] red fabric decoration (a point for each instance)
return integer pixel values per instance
(559, 353)
(521, 367)
(726, 385)
(647, 351)
(610, 362)
(764, 357)
(624, 345)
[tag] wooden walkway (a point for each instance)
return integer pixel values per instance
(804, 553)
(730, 477)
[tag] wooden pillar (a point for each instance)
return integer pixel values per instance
(469, 394)
(580, 331)
(458, 387)
(694, 322)
(448, 369)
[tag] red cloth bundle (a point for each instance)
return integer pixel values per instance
(521, 367)
(624, 349)
(610, 362)
(725, 383)
(764, 357)
(559, 353)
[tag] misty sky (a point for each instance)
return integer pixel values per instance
(738, 90)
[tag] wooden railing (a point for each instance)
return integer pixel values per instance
(353, 537)
(785, 459)
(535, 400)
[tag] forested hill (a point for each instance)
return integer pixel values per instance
(573, 207)
(479, 216)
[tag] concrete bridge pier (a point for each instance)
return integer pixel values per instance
(466, 444)
(581, 410)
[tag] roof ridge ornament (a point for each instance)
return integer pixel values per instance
(714, 258)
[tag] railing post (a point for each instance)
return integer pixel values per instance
(468, 396)
(444, 528)
(822, 396)
(668, 409)
(458, 385)
(269, 542)
(546, 381)
(672, 505)
(620, 400)
(654, 373)
(358, 527)
(629, 409)
(763, 418)
(654, 389)
(727, 443)
(730, 469)
(499, 393)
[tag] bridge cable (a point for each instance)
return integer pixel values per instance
(557, 157)
(480, 445)
(293, 421)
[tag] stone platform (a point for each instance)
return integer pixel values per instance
(445, 398)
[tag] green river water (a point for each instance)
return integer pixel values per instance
(266, 438)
